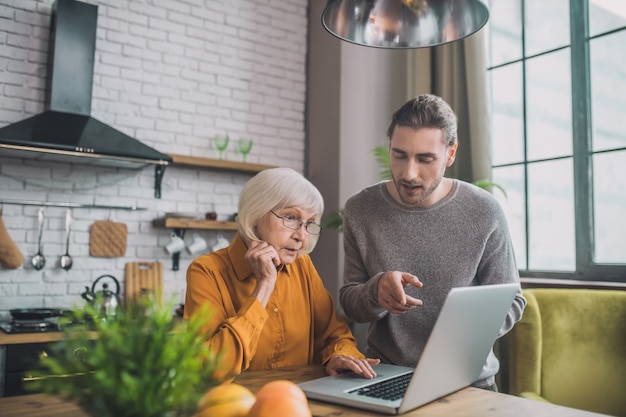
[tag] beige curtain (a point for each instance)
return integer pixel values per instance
(458, 73)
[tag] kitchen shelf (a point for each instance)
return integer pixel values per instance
(182, 223)
(218, 164)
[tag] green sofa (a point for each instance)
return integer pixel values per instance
(569, 348)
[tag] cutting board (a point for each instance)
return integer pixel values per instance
(143, 276)
(107, 239)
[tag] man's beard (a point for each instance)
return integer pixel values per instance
(414, 200)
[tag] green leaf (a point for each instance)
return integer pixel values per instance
(143, 363)
(489, 185)
(381, 153)
(333, 220)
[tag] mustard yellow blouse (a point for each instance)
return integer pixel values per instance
(298, 327)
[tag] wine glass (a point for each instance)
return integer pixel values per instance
(221, 143)
(244, 145)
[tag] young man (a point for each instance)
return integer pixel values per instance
(409, 240)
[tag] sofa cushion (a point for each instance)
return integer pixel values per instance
(570, 348)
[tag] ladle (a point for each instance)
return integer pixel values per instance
(66, 260)
(39, 260)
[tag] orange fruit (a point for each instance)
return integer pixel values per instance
(279, 407)
(280, 398)
(281, 387)
(226, 400)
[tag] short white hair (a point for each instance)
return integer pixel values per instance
(275, 189)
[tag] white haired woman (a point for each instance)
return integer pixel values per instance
(269, 306)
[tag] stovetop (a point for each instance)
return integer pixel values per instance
(30, 326)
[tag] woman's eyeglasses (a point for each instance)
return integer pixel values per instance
(294, 223)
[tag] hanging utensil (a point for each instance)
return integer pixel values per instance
(66, 260)
(39, 260)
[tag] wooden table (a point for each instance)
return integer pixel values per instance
(468, 402)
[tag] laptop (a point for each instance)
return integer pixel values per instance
(453, 357)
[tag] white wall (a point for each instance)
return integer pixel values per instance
(352, 92)
(171, 74)
(373, 86)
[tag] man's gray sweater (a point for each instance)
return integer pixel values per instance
(461, 240)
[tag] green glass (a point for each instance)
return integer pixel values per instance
(221, 143)
(244, 145)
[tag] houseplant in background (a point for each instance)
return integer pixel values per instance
(334, 220)
(142, 363)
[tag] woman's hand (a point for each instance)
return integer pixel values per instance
(263, 259)
(363, 367)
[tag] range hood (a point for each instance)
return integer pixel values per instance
(66, 132)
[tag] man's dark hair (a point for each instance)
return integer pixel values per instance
(428, 111)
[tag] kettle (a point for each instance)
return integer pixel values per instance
(106, 300)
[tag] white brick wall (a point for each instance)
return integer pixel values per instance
(171, 74)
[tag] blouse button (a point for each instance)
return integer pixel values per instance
(275, 309)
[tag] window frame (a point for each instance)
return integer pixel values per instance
(582, 152)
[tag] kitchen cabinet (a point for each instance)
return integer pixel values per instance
(19, 361)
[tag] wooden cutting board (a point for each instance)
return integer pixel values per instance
(108, 239)
(143, 276)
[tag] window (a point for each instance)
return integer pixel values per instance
(558, 99)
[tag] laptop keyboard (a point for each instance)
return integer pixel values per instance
(390, 389)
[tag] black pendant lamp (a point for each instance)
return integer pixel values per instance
(404, 23)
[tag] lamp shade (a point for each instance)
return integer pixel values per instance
(404, 23)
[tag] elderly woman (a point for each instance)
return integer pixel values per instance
(270, 308)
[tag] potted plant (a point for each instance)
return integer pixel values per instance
(142, 363)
